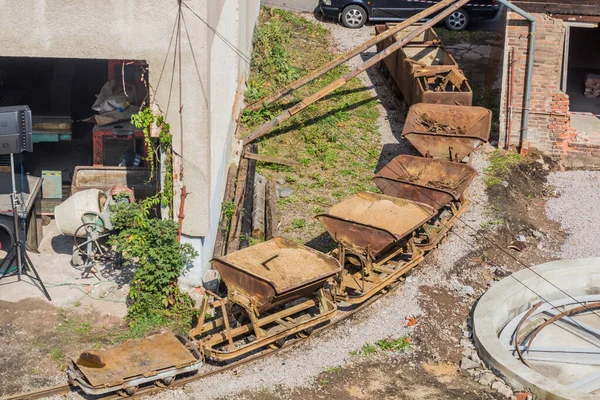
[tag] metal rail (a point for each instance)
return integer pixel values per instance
(144, 391)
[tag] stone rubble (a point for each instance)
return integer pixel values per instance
(471, 365)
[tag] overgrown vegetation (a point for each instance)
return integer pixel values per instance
(337, 133)
(151, 245)
(501, 163)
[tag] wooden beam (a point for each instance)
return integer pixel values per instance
(246, 228)
(220, 241)
(272, 160)
(233, 240)
(290, 112)
(271, 211)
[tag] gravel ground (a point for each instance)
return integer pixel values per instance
(576, 208)
(384, 319)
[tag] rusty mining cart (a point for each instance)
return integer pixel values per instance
(373, 232)
(123, 368)
(275, 289)
(436, 183)
(447, 132)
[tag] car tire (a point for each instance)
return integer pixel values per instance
(458, 20)
(354, 17)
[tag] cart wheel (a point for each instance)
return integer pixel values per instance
(93, 246)
(126, 392)
(166, 382)
(306, 332)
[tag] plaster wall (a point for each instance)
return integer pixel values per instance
(212, 76)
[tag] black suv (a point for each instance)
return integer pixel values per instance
(355, 13)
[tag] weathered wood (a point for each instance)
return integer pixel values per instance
(228, 196)
(288, 113)
(347, 56)
(246, 231)
(258, 207)
(271, 211)
(233, 240)
(272, 160)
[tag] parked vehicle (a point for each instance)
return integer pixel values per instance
(355, 13)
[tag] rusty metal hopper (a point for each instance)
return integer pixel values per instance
(134, 360)
(424, 180)
(103, 178)
(276, 272)
(374, 220)
(444, 131)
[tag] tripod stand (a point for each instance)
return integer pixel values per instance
(17, 251)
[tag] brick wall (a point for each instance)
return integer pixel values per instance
(550, 128)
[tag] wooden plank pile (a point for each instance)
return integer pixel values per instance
(592, 86)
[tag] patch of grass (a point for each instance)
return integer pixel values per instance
(299, 223)
(56, 354)
(490, 99)
(367, 350)
(334, 370)
(335, 139)
(449, 37)
(400, 344)
(501, 163)
(492, 223)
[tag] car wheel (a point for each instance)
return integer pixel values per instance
(458, 20)
(354, 17)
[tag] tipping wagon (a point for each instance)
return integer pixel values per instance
(373, 232)
(437, 183)
(447, 132)
(275, 289)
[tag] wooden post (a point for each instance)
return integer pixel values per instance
(246, 225)
(258, 207)
(345, 57)
(220, 241)
(270, 211)
(288, 113)
(233, 240)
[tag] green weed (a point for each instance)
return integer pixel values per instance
(400, 344)
(501, 163)
(299, 223)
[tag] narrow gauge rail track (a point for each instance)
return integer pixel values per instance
(150, 389)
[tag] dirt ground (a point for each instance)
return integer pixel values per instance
(37, 338)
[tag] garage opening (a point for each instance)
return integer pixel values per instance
(62, 94)
(81, 110)
(582, 79)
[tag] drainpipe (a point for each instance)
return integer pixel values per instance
(524, 143)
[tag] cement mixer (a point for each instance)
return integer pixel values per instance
(86, 216)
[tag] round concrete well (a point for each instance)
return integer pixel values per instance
(509, 298)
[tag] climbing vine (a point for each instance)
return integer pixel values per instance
(144, 120)
(151, 245)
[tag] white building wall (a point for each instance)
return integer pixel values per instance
(141, 30)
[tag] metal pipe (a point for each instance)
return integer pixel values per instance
(528, 73)
(511, 87)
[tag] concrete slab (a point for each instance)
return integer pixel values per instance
(514, 295)
(106, 293)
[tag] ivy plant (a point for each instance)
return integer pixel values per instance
(151, 245)
(143, 120)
